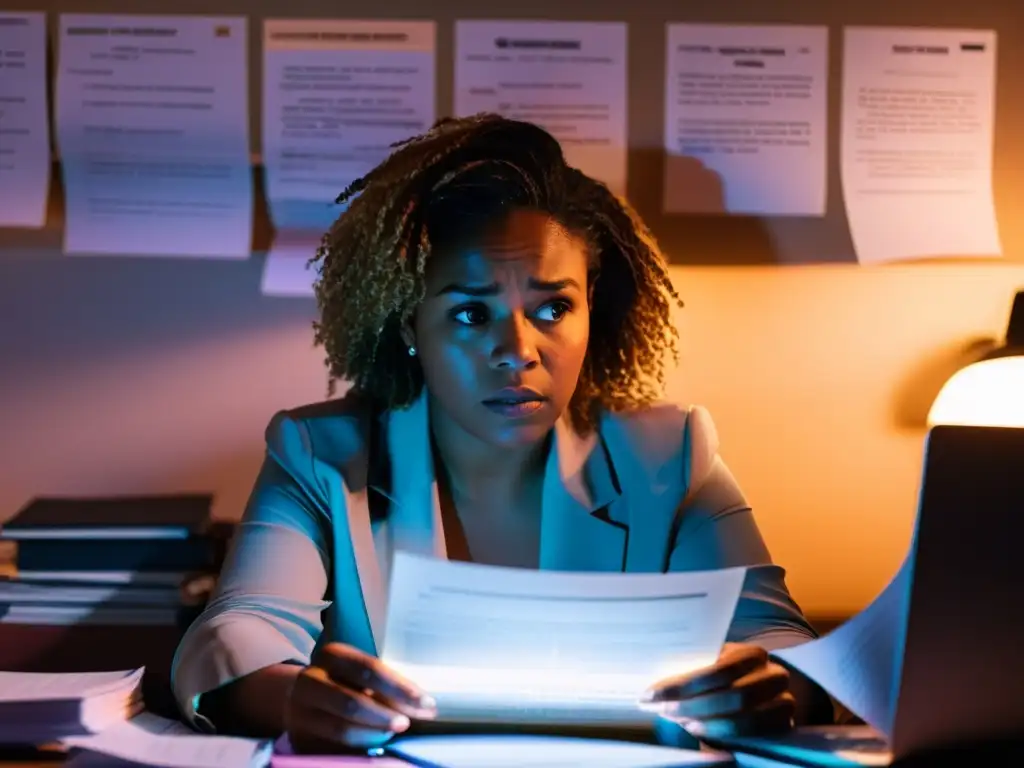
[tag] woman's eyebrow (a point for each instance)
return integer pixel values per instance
(493, 289)
(553, 285)
(471, 290)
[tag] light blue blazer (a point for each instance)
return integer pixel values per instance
(646, 492)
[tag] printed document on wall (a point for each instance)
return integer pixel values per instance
(287, 272)
(916, 148)
(568, 77)
(337, 94)
(153, 126)
(24, 121)
(745, 119)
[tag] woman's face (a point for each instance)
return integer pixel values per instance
(503, 328)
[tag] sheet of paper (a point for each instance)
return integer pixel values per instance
(546, 752)
(286, 270)
(152, 124)
(745, 119)
(916, 147)
(336, 95)
(24, 121)
(41, 686)
(510, 644)
(147, 739)
(566, 76)
(859, 662)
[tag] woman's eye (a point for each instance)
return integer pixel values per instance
(470, 315)
(554, 311)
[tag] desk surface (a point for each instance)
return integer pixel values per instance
(31, 759)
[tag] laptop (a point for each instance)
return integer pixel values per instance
(957, 676)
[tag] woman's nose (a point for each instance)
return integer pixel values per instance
(514, 347)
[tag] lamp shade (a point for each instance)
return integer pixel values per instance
(989, 392)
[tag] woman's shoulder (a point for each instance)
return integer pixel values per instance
(336, 431)
(662, 423)
(664, 432)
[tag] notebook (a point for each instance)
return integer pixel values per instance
(38, 708)
(137, 518)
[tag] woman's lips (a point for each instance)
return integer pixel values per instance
(515, 408)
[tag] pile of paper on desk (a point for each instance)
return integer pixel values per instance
(149, 740)
(37, 708)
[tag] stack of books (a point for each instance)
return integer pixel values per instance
(112, 561)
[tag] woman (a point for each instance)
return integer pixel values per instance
(502, 319)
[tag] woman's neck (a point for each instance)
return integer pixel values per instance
(476, 472)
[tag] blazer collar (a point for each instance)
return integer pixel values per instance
(582, 466)
(410, 485)
(579, 463)
(579, 482)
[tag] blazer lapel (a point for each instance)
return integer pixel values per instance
(368, 588)
(579, 528)
(653, 469)
(413, 519)
(584, 522)
(412, 522)
(415, 516)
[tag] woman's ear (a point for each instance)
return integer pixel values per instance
(408, 337)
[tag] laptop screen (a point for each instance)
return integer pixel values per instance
(963, 662)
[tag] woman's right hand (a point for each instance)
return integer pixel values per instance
(346, 699)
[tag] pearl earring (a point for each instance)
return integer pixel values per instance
(412, 351)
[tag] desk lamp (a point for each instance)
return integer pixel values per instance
(989, 392)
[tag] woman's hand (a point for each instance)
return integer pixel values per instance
(743, 693)
(347, 700)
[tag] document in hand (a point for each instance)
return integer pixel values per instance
(511, 645)
(37, 708)
(859, 662)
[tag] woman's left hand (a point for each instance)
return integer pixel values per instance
(743, 693)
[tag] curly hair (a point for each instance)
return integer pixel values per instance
(442, 186)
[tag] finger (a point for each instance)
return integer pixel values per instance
(747, 693)
(735, 662)
(314, 731)
(315, 690)
(354, 669)
(774, 717)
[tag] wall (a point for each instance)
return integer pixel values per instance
(147, 375)
(820, 380)
(120, 375)
(692, 240)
